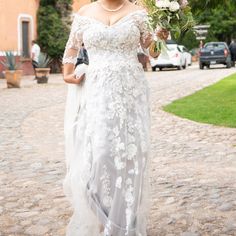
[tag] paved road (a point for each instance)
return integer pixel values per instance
(194, 164)
(193, 167)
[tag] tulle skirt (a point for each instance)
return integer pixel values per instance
(107, 147)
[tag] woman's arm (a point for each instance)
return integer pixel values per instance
(146, 36)
(69, 76)
(71, 52)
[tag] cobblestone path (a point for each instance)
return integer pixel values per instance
(193, 166)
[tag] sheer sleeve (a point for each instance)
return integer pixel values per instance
(145, 30)
(74, 42)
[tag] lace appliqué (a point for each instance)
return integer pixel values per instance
(144, 26)
(106, 188)
(74, 42)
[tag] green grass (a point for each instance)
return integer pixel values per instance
(215, 104)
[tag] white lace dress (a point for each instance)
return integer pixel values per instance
(108, 139)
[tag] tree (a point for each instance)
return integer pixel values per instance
(222, 20)
(53, 28)
(199, 6)
(219, 14)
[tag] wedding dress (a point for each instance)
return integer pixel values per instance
(107, 129)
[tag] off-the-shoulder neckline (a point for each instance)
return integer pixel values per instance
(117, 22)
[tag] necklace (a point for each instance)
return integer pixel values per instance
(111, 10)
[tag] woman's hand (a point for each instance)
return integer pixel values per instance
(148, 41)
(162, 34)
(72, 79)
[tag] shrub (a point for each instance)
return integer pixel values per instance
(53, 28)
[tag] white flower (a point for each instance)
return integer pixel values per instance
(118, 182)
(132, 151)
(174, 6)
(119, 164)
(166, 3)
(129, 197)
(119, 145)
(129, 181)
(162, 3)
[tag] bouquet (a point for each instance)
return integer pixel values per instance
(172, 15)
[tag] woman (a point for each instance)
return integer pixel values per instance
(108, 150)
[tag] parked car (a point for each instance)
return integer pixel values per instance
(214, 53)
(187, 55)
(174, 59)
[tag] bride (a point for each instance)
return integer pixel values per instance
(107, 121)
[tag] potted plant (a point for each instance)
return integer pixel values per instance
(12, 74)
(42, 71)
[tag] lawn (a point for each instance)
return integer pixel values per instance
(215, 104)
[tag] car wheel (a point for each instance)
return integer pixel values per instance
(153, 68)
(185, 65)
(201, 66)
(228, 65)
(160, 68)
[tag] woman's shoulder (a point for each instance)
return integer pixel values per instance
(138, 12)
(86, 8)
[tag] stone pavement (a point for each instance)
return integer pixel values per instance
(193, 166)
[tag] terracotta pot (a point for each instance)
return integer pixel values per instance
(13, 78)
(41, 75)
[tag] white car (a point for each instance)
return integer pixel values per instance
(187, 55)
(174, 59)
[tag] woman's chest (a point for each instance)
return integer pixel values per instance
(120, 35)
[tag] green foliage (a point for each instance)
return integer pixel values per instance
(220, 14)
(44, 61)
(215, 104)
(52, 34)
(45, 3)
(222, 21)
(66, 4)
(199, 6)
(53, 27)
(10, 61)
(189, 40)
